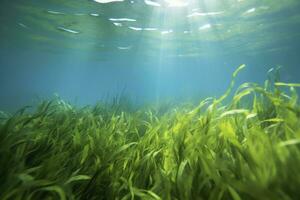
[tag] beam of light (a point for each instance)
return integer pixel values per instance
(173, 18)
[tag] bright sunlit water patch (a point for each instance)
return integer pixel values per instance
(54, 12)
(150, 29)
(117, 24)
(125, 48)
(68, 30)
(152, 3)
(122, 20)
(177, 3)
(166, 32)
(135, 28)
(22, 25)
(95, 14)
(251, 10)
(205, 26)
(203, 14)
(107, 1)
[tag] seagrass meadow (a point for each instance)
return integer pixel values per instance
(242, 145)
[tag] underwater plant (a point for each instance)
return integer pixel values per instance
(248, 148)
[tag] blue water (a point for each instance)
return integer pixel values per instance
(86, 51)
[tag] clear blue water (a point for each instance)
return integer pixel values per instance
(150, 51)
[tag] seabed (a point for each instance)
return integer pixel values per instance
(246, 148)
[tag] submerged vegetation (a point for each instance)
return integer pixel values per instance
(248, 148)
